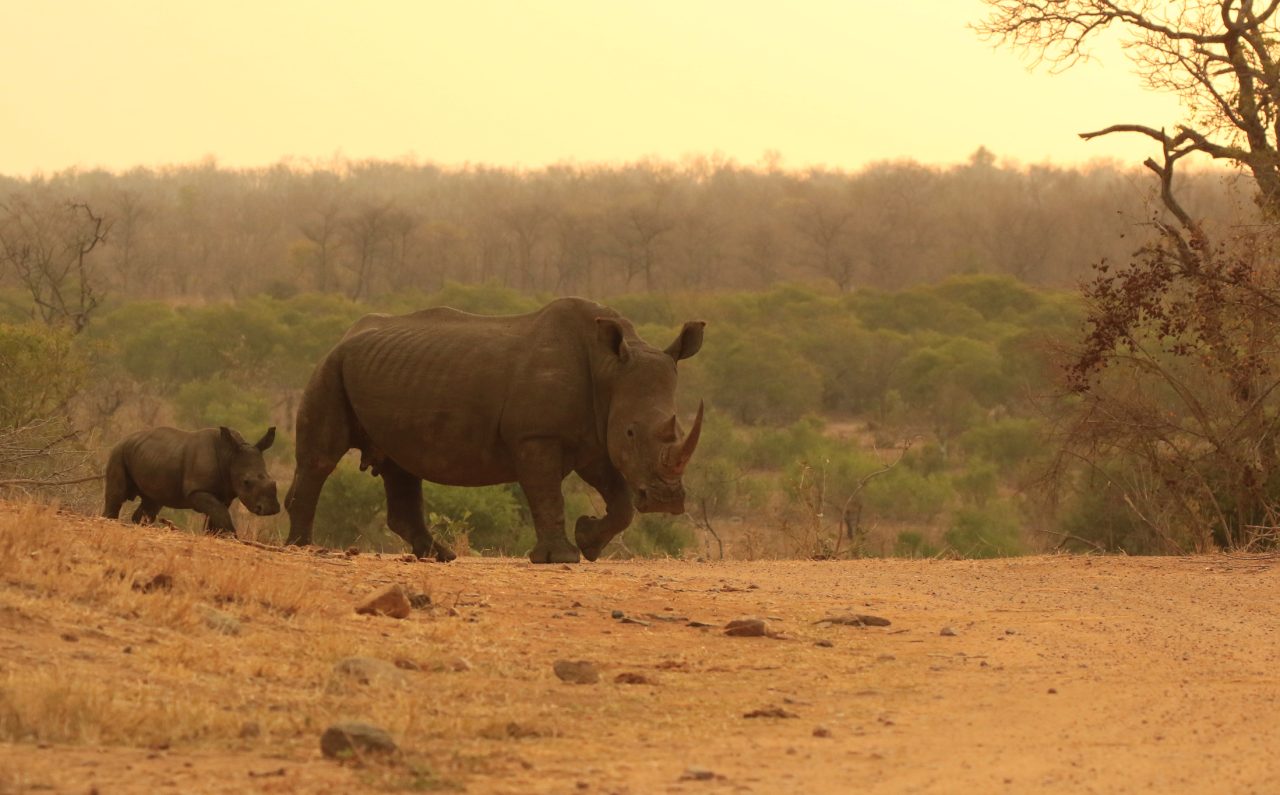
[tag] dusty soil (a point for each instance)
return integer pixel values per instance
(1062, 675)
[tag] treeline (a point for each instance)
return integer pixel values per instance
(368, 229)
(912, 422)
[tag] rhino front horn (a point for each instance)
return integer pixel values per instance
(690, 442)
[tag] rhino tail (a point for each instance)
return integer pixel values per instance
(119, 488)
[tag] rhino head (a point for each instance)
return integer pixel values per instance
(247, 471)
(645, 440)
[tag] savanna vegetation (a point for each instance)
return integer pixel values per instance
(896, 362)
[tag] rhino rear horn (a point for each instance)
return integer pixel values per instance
(267, 439)
(690, 442)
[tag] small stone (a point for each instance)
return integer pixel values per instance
(407, 665)
(855, 620)
(408, 558)
(770, 712)
(250, 729)
(746, 628)
(343, 740)
(947, 632)
(127, 650)
(826, 644)
(576, 672)
(697, 774)
(617, 614)
(459, 664)
(821, 731)
(1053, 691)
(419, 601)
(71, 637)
(700, 624)
(633, 678)
(353, 551)
(219, 621)
(390, 601)
(368, 671)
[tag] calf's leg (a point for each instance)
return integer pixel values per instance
(219, 517)
(146, 513)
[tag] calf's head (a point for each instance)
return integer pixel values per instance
(247, 471)
(646, 441)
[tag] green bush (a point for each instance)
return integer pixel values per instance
(40, 369)
(989, 532)
(491, 515)
(352, 512)
(1007, 443)
(905, 495)
(912, 544)
(218, 401)
(654, 535)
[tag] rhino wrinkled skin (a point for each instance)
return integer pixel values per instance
(470, 400)
(203, 470)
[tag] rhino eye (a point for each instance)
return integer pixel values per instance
(631, 433)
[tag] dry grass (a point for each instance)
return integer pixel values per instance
(105, 643)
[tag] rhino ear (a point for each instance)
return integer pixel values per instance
(267, 439)
(229, 436)
(689, 342)
(611, 333)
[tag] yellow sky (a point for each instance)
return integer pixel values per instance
(118, 83)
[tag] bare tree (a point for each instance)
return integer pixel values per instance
(1179, 373)
(46, 245)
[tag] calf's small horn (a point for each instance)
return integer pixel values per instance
(690, 442)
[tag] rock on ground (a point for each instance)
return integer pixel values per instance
(390, 601)
(353, 739)
(577, 672)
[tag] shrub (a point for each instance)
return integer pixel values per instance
(990, 532)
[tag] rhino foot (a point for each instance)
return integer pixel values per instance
(435, 550)
(557, 551)
(589, 538)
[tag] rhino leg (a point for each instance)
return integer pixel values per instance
(404, 512)
(219, 517)
(593, 534)
(302, 498)
(146, 513)
(539, 472)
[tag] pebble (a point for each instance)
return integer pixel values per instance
(697, 774)
(353, 739)
(368, 671)
(633, 678)
(821, 731)
(770, 712)
(390, 601)
(947, 632)
(746, 628)
(855, 620)
(576, 672)
(617, 614)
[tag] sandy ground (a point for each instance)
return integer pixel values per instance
(1057, 675)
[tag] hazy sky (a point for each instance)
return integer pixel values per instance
(119, 83)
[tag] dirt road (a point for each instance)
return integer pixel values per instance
(1053, 674)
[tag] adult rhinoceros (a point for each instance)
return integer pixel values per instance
(470, 400)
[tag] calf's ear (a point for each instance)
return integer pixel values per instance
(267, 439)
(689, 342)
(229, 436)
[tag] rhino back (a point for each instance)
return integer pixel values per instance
(446, 394)
(168, 464)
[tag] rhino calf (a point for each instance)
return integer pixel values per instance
(202, 470)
